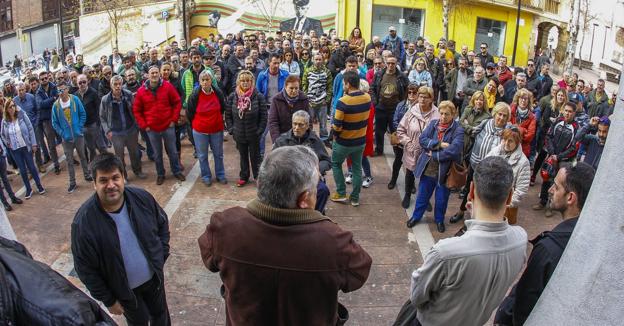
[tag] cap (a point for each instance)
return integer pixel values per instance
(491, 65)
(301, 2)
(392, 28)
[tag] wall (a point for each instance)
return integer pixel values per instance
(462, 22)
(27, 12)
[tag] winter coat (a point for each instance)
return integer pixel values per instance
(96, 249)
(298, 286)
(157, 109)
(26, 128)
(527, 128)
(420, 78)
(262, 84)
(593, 147)
(598, 108)
(251, 125)
(431, 150)
(470, 87)
(521, 171)
(317, 84)
(402, 83)
(280, 113)
(32, 293)
(191, 106)
(311, 140)
(561, 140)
(106, 109)
(91, 103)
(69, 130)
(470, 119)
(45, 100)
(409, 131)
(450, 81)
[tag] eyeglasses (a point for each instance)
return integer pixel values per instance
(108, 73)
(82, 82)
(305, 53)
(530, 65)
(483, 47)
(378, 63)
(360, 56)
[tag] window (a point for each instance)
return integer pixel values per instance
(491, 32)
(6, 17)
(409, 22)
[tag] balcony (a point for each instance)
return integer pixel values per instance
(538, 6)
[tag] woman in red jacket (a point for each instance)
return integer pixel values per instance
(522, 115)
(205, 108)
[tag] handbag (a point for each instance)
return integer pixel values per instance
(456, 177)
(394, 139)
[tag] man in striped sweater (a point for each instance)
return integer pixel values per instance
(349, 128)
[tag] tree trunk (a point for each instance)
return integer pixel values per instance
(569, 62)
(445, 18)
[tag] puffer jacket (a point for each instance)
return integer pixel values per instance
(280, 113)
(250, 126)
(310, 140)
(32, 293)
(454, 136)
(410, 128)
(527, 128)
(157, 109)
(521, 171)
(561, 140)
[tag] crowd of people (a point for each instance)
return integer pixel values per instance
(457, 121)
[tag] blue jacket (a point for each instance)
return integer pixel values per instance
(29, 106)
(262, 84)
(337, 90)
(401, 108)
(28, 132)
(400, 52)
(45, 101)
(73, 129)
(429, 142)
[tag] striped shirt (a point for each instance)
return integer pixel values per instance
(351, 119)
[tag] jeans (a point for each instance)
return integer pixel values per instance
(41, 153)
(365, 166)
(18, 72)
(150, 305)
(319, 111)
(544, 192)
(249, 152)
(322, 195)
(5, 179)
(69, 147)
(339, 154)
(214, 142)
(148, 146)
(92, 134)
(383, 123)
(167, 137)
(426, 187)
(50, 136)
(24, 159)
(131, 141)
(263, 141)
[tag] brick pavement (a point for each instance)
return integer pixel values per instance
(43, 223)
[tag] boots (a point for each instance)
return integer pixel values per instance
(406, 199)
(6, 204)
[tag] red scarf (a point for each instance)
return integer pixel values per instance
(442, 129)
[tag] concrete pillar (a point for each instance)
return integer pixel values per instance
(6, 231)
(586, 287)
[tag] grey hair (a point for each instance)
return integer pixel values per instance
(116, 78)
(493, 180)
(302, 114)
(286, 173)
(205, 73)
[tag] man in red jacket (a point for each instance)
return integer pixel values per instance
(156, 109)
(304, 259)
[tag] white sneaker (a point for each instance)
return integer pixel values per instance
(368, 181)
(349, 178)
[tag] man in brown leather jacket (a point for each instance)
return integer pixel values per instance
(282, 262)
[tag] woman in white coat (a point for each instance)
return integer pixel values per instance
(511, 150)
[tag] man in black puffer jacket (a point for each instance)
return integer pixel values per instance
(32, 293)
(120, 242)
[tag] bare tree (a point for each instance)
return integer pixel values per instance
(587, 19)
(115, 10)
(573, 26)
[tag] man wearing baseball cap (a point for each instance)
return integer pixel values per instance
(394, 43)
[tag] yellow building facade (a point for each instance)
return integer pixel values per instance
(469, 23)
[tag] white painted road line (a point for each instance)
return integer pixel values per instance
(420, 232)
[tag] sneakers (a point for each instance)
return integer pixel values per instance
(368, 181)
(41, 190)
(241, 183)
(29, 194)
(355, 202)
(89, 178)
(222, 181)
(180, 177)
(207, 182)
(349, 178)
(71, 188)
(338, 198)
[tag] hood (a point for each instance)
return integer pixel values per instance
(512, 158)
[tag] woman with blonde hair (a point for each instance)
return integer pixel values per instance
(246, 120)
(523, 116)
(18, 135)
(442, 142)
(550, 112)
(419, 74)
(487, 136)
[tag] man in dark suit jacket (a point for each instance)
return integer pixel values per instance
(302, 23)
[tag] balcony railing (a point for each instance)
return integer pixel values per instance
(548, 6)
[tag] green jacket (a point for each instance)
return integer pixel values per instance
(188, 82)
(469, 120)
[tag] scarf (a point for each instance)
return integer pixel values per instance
(244, 100)
(522, 114)
(290, 100)
(442, 127)
(490, 98)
